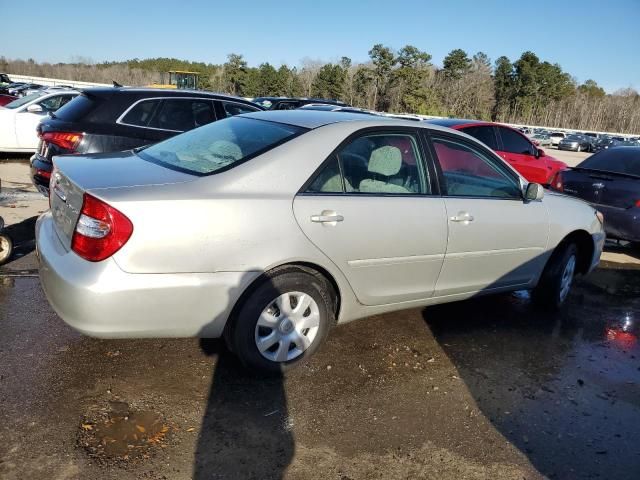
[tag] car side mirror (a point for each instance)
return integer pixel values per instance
(534, 192)
(540, 153)
(35, 108)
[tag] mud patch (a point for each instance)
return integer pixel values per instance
(121, 435)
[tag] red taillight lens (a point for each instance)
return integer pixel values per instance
(557, 182)
(637, 204)
(101, 230)
(66, 140)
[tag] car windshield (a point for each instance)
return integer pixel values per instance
(619, 160)
(219, 145)
(22, 101)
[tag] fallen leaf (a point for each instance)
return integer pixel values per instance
(190, 429)
(87, 426)
(141, 429)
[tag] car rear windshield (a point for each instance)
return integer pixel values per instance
(77, 108)
(625, 160)
(220, 145)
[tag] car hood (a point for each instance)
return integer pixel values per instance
(116, 170)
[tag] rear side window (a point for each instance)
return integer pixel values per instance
(514, 142)
(377, 163)
(232, 108)
(485, 134)
(141, 113)
(219, 145)
(182, 114)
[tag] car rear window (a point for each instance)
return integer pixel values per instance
(625, 160)
(77, 108)
(220, 145)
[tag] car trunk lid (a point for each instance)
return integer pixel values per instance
(75, 175)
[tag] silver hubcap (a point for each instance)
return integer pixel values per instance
(287, 326)
(567, 277)
(4, 248)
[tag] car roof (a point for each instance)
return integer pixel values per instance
(161, 92)
(455, 122)
(317, 118)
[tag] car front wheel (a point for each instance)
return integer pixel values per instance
(282, 321)
(557, 278)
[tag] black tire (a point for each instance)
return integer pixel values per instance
(548, 294)
(6, 247)
(241, 332)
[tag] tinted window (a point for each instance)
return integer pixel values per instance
(22, 101)
(287, 105)
(52, 104)
(219, 145)
(485, 134)
(182, 114)
(384, 163)
(328, 180)
(513, 142)
(232, 108)
(619, 160)
(141, 113)
(77, 108)
(469, 172)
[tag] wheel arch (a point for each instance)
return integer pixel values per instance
(584, 243)
(308, 267)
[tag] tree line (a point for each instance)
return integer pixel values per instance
(526, 91)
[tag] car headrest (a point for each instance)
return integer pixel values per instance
(385, 160)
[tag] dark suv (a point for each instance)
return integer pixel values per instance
(113, 119)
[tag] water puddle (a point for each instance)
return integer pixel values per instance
(122, 434)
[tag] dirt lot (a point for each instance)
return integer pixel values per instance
(483, 389)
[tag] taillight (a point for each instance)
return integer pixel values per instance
(101, 230)
(557, 183)
(637, 204)
(66, 140)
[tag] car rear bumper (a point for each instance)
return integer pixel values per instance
(41, 173)
(621, 223)
(101, 300)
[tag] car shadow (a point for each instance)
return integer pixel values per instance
(558, 386)
(245, 432)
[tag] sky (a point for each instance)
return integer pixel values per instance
(590, 39)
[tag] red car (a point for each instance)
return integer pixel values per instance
(4, 99)
(532, 162)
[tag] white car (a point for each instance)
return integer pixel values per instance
(19, 119)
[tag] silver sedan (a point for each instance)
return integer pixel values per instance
(269, 228)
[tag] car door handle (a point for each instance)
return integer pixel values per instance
(462, 217)
(327, 217)
(599, 185)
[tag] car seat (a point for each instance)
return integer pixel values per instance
(384, 163)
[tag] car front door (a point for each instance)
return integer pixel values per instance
(521, 154)
(496, 239)
(26, 122)
(371, 210)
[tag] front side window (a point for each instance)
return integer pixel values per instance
(377, 163)
(219, 145)
(486, 134)
(468, 172)
(232, 108)
(514, 142)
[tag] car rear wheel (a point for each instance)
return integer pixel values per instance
(282, 322)
(6, 246)
(557, 278)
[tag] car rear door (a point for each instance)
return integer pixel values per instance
(496, 239)
(518, 150)
(372, 210)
